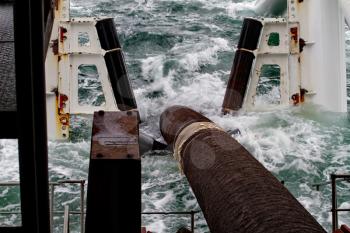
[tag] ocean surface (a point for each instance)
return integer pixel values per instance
(181, 52)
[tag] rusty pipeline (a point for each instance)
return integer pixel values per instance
(235, 192)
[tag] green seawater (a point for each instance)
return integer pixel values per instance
(181, 52)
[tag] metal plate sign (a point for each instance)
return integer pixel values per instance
(115, 135)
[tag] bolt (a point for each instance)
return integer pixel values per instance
(129, 113)
(101, 113)
(129, 156)
(99, 155)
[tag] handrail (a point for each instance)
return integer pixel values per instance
(52, 186)
(192, 213)
(66, 219)
(335, 209)
(318, 185)
(82, 211)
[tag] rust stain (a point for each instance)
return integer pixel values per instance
(62, 118)
(296, 99)
(294, 40)
(63, 37)
(115, 135)
(56, 4)
(302, 94)
(294, 34)
(299, 98)
(54, 46)
(62, 103)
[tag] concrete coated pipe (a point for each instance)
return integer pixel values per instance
(235, 192)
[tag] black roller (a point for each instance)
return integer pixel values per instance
(242, 65)
(238, 82)
(121, 86)
(250, 34)
(114, 59)
(107, 33)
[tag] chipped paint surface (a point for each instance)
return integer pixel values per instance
(62, 63)
(115, 135)
(302, 55)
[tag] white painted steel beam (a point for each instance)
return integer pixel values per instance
(64, 57)
(323, 69)
(320, 69)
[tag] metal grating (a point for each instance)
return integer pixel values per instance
(7, 61)
(6, 19)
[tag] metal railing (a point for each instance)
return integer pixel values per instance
(335, 209)
(66, 213)
(192, 213)
(52, 186)
(66, 220)
(82, 200)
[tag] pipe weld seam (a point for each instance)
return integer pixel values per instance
(187, 134)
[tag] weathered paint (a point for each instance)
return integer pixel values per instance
(271, 55)
(115, 135)
(309, 58)
(62, 64)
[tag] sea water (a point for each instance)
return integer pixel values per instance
(181, 52)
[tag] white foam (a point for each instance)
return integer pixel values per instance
(204, 53)
(233, 9)
(69, 160)
(9, 160)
